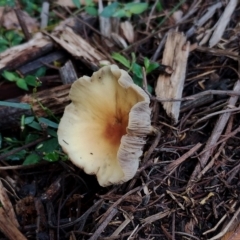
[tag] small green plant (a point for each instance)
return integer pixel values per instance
(117, 9)
(32, 7)
(24, 83)
(29, 6)
(9, 39)
(90, 6)
(10, 3)
(32, 129)
(135, 68)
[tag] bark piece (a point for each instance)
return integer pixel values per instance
(68, 73)
(76, 45)
(42, 61)
(175, 55)
(54, 99)
(17, 56)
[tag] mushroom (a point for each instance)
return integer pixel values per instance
(103, 129)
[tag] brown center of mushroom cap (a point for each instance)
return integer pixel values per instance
(114, 129)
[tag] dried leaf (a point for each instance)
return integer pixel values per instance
(128, 32)
(10, 20)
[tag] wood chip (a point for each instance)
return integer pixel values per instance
(36, 47)
(171, 86)
(76, 45)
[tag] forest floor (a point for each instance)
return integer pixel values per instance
(185, 55)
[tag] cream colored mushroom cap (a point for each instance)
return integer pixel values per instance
(103, 130)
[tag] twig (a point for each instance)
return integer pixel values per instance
(152, 148)
(217, 131)
(210, 11)
(101, 228)
(219, 235)
(150, 14)
(23, 24)
(222, 23)
(210, 164)
(172, 166)
(44, 14)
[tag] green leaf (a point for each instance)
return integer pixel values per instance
(152, 66)
(28, 120)
(77, 3)
(91, 11)
(48, 122)
(137, 80)
(146, 63)
(150, 89)
(3, 41)
(89, 3)
(10, 76)
(3, 48)
(17, 156)
(120, 58)
(31, 137)
(40, 72)
(9, 35)
(122, 13)
(38, 127)
(133, 55)
(22, 84)
(52, 132)
(137, 70)
(35, 125)
(31, 81)
(48, 146)
(159, 6)
(16, 105)
(17, 40)
(10, 3)
(32, 159)
(110, 10)
(136, 8)
(51, 157)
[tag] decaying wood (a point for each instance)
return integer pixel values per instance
(17, 56)
(76, 45)
(175, 55)
(68, 73)
(42, 61)
(8, 228)
(54, 99)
